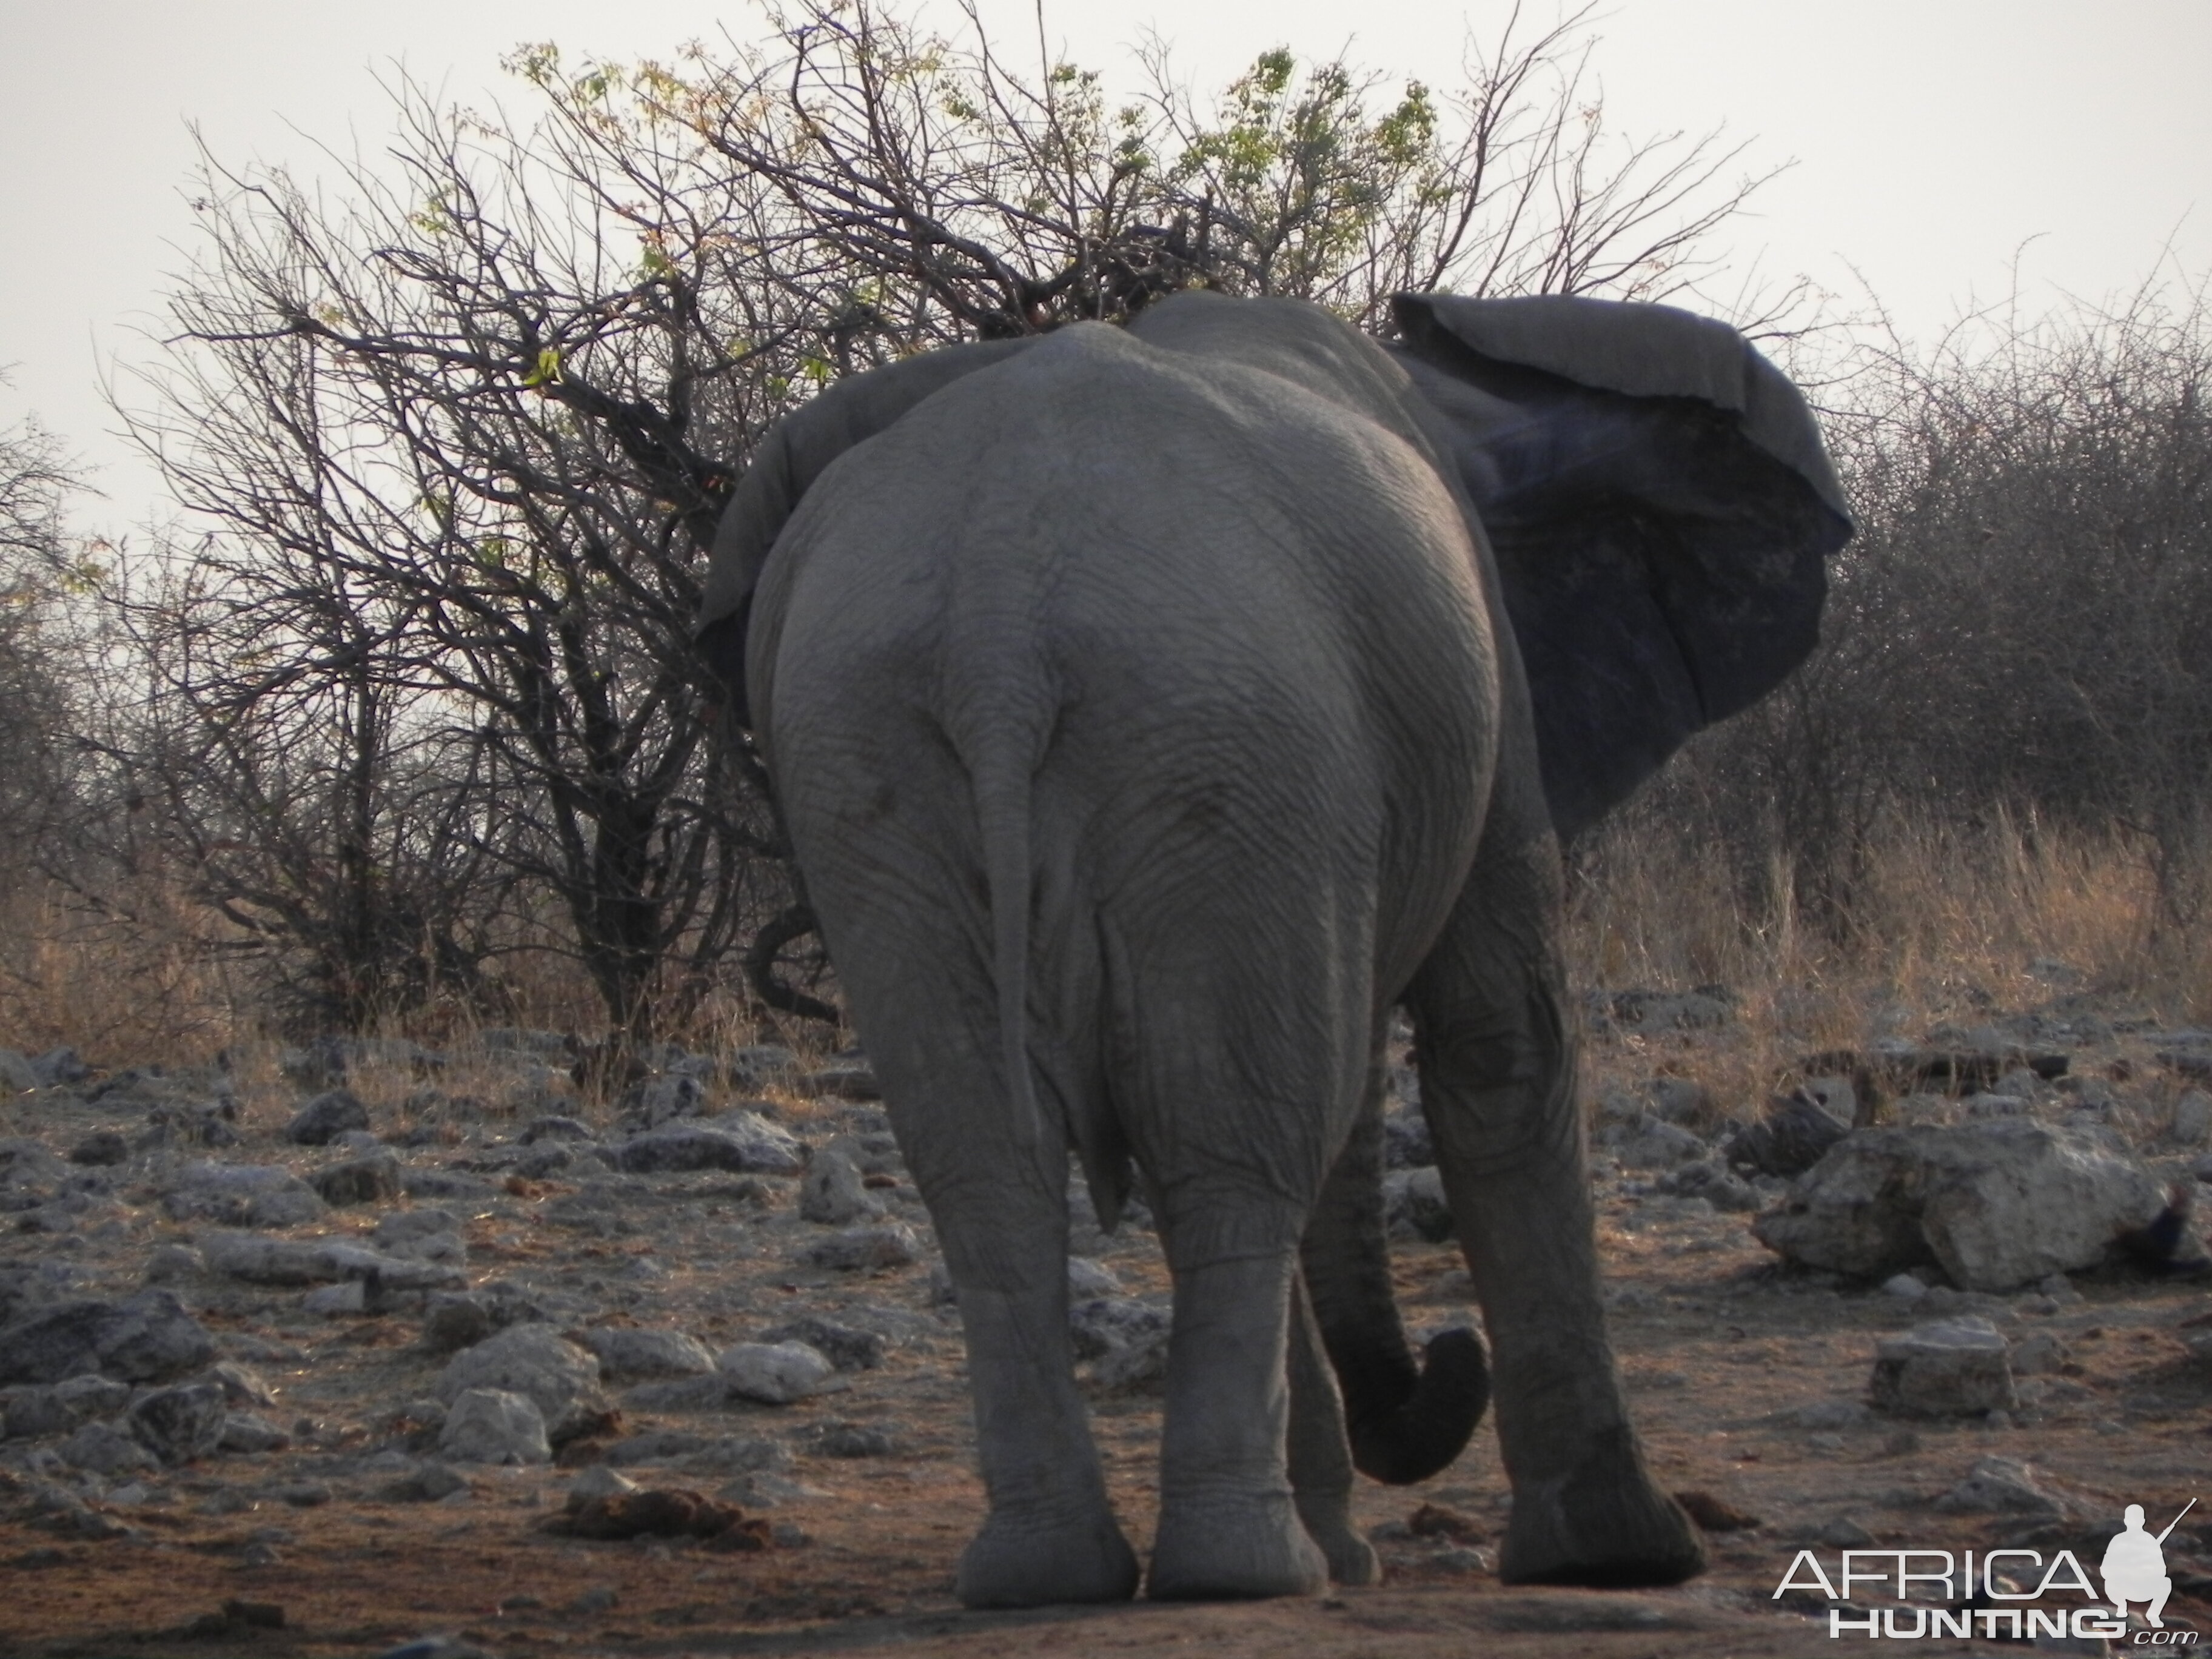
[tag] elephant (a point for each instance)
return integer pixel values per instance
(1154, 709)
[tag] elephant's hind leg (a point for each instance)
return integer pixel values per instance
(1229, 1526)
(1497, 1067)
(1319, 1455)
(1245, 1076)
(1001, 1218)
(1051, 1535)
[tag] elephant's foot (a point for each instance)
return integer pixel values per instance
(1603, 1524)
(1020, 1562)
(1223, 1548)
(1328, 1519)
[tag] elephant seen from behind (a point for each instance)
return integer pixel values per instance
(1153, 710)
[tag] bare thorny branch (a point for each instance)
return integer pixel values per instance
(462, 442)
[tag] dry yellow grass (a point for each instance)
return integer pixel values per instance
(1948, 924)
(137, 981)
(1946, 921)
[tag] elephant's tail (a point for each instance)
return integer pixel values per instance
(1002, 768)
(1407, 1419)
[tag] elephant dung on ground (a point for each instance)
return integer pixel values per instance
(1152, 710)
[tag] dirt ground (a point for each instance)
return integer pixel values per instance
(1745, 1380)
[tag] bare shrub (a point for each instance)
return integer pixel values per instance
(454, 433)
(2017, 629)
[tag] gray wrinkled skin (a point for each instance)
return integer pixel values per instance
(1148, 719)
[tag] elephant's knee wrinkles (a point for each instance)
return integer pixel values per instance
(1485, 1060)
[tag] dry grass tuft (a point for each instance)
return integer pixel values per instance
(1947, 924)
(129, 981)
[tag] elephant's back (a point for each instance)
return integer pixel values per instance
(1249, 616)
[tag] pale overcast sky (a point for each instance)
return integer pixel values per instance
(1934, 140)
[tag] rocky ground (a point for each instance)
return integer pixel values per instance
(331, 1349)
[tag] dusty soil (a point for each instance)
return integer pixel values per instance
(1723, 1349)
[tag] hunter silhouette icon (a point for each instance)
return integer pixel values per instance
(2134, 1568)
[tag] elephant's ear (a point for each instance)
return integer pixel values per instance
(1661, 510)
(784, 466)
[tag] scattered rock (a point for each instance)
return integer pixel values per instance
(1087, 1278)
(844, 1079)
(461, 1320)
(170, 1262)
(326, 1117)
(145, 1338)
(190, 1122)
(2191, 1125)
(334, 1300)
(426, 1234)
(1406, 1141)
(17, 1075)
(2188, 1053)
(1413, 1204)
(760, 1065)
(319, 1261)
(1138, 1368)
(774, 1373)
(250, 1434)
(181, 1424)
(855, 1440)
(1796, 1133)
(1905, 1287)
(627, 1353)
(854, 1249)
(659, 1100)
(433, 1647)
(26, 1412)
(1996, 1205)
(241, 1386)
(445, 1183)
(93, 1396)
(102, 1448)
(58, 1068)
(1101, 1324)
(1679, 1099)
(738, 1140)
(845, 1346)
(560, 1377)
(368, 1179)
(1712, 1181)
(243, 1195)
(1645, 1142)
(1943, 1369)
(101, 1149)
(831, 1192)
(1999, 1486)
(494, 1425)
